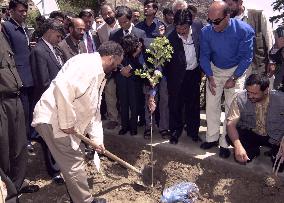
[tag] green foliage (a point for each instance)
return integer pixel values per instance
(31, 18)
(77, 5)
(278, 5)
(160, 51)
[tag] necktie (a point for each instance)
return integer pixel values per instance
(89, 43)
(126, 32)
(57, 55)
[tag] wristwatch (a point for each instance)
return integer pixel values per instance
(234, 78)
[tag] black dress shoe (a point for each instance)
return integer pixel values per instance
(224, 153)
(122, 131)
(29, 189)
(99, 200)
(133, 132)
(208, 145)
(58, 180)
(173, 139)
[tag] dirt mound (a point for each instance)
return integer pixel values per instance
(217, 182)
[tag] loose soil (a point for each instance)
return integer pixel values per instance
(217, 182)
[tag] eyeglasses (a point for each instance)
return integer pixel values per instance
(215, 22)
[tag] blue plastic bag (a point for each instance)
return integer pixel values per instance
(186, 192)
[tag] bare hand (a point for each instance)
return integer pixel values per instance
(151, 104)
(241, 154)
(271, 67)
(230, 83)
(212, 85)
(69, 130)
(162, 30)
(100, 149)
(125, 71)
(138, 50)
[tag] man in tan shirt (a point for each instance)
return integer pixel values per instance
(256, 119)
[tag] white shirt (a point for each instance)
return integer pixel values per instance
(189, 51)
(129, 30)
(73, 99)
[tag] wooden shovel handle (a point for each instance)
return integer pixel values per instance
(108, 154)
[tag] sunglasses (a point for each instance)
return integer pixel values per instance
(215, 22)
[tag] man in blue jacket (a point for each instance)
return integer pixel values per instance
(226, 51)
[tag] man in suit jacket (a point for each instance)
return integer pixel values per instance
(46, 61)
(103, 32)
(73, 44)
(90, 38)
(17, 35)
(183, 77)
(127, 82)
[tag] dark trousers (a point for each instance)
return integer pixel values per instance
(252, 142)
(27, 101)
(13, 140)
(128, 93)
(188, 97)
(12, 196)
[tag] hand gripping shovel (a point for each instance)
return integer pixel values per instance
(112, 156)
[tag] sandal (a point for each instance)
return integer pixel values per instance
(165, 134)
(147, 134)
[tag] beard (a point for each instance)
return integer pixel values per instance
(234, 13)
(110, 20)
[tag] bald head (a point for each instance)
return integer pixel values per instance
(218, 7)
(219, 15)
(77, 28)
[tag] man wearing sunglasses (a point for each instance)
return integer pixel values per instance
(226, 51)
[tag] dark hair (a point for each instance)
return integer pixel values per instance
(154, 2)
(167, 11)
(52, 24)
(69, 14)
(123, 11)
(110, 48)
(129, 44)
(56, 14)
(86, 13)
(14, 3)
(40, 19)
(183, 17)
(258, 79)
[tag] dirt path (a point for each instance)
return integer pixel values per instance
(217, 182)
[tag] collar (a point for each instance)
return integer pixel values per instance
(129, 30)
(48, 44)
(188, 39)
(22, 26)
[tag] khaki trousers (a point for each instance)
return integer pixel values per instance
(70, 162)
(213, 103)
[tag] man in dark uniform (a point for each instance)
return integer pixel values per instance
(13, 154)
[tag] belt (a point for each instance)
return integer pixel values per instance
(8, 95)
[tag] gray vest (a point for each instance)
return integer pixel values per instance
(274, 118)
(260, 58)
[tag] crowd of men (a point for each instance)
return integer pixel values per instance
(74, 71)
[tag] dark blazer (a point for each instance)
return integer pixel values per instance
(70, 49)
(44, 67)
(17, 39)
(175, 69)
(117, 36)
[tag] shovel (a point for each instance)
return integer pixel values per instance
(109, 154)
